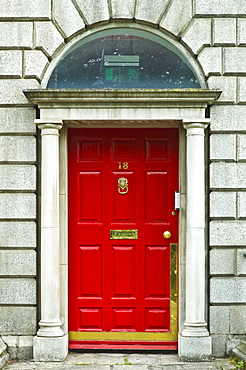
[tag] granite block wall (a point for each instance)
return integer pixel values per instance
(31, 35)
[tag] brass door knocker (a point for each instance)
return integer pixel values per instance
(122, 185)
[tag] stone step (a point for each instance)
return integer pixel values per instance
(102, 361)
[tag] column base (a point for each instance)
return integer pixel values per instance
(195, 349)
(195, 329)
(50, 349)
(50, 329)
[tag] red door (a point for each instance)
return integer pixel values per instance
(122, 287)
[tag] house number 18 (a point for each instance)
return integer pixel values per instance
(123, 165)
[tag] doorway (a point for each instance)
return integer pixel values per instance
(123, 235)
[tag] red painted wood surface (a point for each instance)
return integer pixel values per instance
(121, 285)
(122, 345)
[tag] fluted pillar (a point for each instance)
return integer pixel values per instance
(195, 343)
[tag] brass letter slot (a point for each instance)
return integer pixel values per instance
(123, 234)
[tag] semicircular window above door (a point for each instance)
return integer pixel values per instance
(123, 58)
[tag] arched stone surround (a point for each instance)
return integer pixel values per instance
(166, 109)
(124, 108)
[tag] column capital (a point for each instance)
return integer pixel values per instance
(49, 123)
(201, 123)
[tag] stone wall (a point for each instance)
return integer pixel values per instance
(31, 35)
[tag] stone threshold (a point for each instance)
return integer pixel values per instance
(125, 361)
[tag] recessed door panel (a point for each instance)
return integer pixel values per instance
(122, 271)
(124, 201)
(157, 202)
(90, 196)
(158, 285)
(90, 279)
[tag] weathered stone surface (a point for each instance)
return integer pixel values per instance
(234, 60)
(16, 34)
(4, 356)
(50, 349)
(227, 233)
(223, 205)
(17, 206)
(223, 262)
(18, 149)
(241, 204)
(219, 319)
(11, 91)
(20, 234)
(17, 120)
(232, 342)
(34, 63)
(94, 10)
(228, 290)
(198, 34)
(17, 291)
(209, 7)
(17, 320)
(11, 63)
(47, 37)
(67, 17)
(225, 31)
(177, 17)
(17, 263)
(195, 349)
(219, 345)
(241, 89)
(228, 118)
(25, 347)
(241, 262)
(16, 177)
(223, 147)
(242, 31)
(123, 9)
(22, 9)
(238, 319)
(227, 175)
(3, 347)
(19, 347)
(150, 11)
(226, 84)
(211, 60)
(12, 343)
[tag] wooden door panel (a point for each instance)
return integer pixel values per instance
(156, 277)
(124, 205)
(90, 197)
(157, 150)
(123, 149)
(90, 279)
(157, 206)
(90, 319)
(121, 285)
(157, 319)
(124, 271)
(124, 319)
(89, 150)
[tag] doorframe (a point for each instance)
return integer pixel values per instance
(184, 109)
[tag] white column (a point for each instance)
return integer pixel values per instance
(48, 345)
(195, 326)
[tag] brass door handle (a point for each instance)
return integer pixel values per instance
(167, 234)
